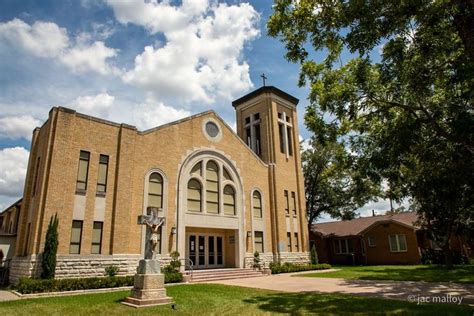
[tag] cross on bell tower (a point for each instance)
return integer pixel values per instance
(263, 78)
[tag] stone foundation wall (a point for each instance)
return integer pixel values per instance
(77, 266)
(291, 257)
(27, 266)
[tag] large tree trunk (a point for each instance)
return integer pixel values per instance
(464, 23)
(448, 255)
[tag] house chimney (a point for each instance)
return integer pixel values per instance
(373, 212)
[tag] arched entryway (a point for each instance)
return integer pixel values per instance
(210, 212)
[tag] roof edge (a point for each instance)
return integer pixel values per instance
(265, 89)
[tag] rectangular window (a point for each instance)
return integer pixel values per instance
(398, 243)
(288, 242)
(35, 183)
(258, 241)
(372, 241)
(281, 132)
(102, 177)
(350, 248)
(343, 246)
(83, 171)
(97, 238)
(297, 244)
(257, 205)
(76, 236)
(293, 202)
(248, 137)
(287, 203)
(258, 148)
(290, 143)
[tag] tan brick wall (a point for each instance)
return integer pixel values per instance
(132, 154)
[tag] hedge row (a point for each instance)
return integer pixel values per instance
(28, 286)
(291, 267)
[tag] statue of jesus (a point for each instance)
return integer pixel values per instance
(154, 228)
(153, 222)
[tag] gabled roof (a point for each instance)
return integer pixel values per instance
(14, 204)
(358, 225)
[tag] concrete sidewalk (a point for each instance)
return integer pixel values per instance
(7, 296)
(401, 290)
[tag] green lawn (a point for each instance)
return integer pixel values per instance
(213, 299)
(459, 274)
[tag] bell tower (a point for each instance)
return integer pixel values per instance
(267, 122)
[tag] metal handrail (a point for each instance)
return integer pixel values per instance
(188, 263)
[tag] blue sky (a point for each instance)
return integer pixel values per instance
(142, 63)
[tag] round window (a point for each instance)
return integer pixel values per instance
(211, 129)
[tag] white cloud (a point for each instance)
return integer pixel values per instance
(13, 165)
(305, 143)
(48, 40)
(152, 114)
(90, 58)
(97, 105)
(15, 127)
(44, 39)
(202, 55)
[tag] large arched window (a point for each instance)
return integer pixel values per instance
(155, 199)
(194, 196)
(257, 205)
(212, 187)
(155, 190)
(229, 200)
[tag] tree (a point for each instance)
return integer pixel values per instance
(407, 112)
(314, 255)
(332, 185)
(48, 262)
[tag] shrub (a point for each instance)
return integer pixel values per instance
(256, 260)
(291, 267)
(314, 255)
(173, 277)
(171, 271)
(431, 256)
(48, 260)
(175, 264)
(28, 286)
(111, 270)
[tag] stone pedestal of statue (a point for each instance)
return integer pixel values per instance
(148, 286)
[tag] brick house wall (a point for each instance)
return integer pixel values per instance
(381, 253)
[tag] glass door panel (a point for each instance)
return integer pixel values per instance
(202, 251)
(211, 250)
(192, 249)
(219, 250)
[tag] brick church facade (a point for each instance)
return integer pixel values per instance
(224, 195)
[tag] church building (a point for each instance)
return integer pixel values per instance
(224, 194)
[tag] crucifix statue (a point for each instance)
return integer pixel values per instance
(153, 223)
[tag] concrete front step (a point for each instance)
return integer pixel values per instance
(207, 273)
(224, 274)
